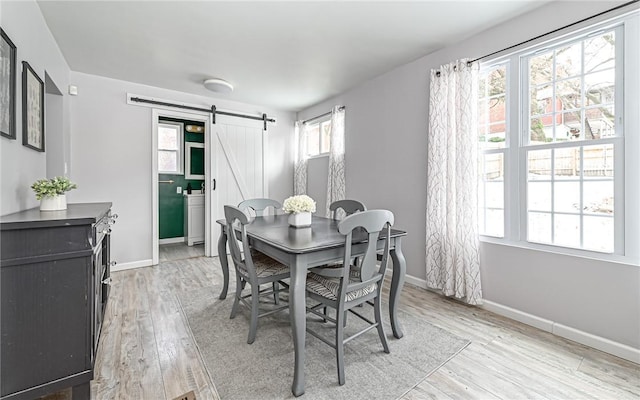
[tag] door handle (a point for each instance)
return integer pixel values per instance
(214, 184)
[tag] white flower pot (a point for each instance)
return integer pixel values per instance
(56, 203)
(300, 220)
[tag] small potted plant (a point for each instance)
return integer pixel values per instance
(51, 193)
(299, 209)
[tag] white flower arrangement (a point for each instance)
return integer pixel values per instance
(298, 204)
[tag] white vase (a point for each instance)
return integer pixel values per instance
(300, 220)
(55, 203)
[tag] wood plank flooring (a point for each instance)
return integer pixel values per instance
(146, 350)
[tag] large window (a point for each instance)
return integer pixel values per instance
(572, 142)
(553, 137)
(170, 145)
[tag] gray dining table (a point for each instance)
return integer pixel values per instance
(305, 248)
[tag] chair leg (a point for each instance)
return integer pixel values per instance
(276, 292)
(377, 311)
(340, 346)
(255, 298)
(324, 311)
(236, 301)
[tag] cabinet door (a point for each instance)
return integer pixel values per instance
(196, 223)
(45, 322)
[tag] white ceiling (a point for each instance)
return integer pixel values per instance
(286, 55)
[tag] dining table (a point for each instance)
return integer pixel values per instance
(305, 248)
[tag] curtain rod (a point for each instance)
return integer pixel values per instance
(327, 113)
(554, 31)
(211, 110)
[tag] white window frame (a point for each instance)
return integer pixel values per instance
(319, 122)
(627, 162)
(179, 150)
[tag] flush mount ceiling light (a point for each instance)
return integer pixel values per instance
(218, 85)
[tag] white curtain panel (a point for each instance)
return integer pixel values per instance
(452, 257)
(336, 182)
(300, 165)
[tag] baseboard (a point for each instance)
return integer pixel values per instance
(132, 265)
(588, 339)
(171, 240)
(517, 315)
(597, 342)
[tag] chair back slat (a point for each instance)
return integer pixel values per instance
(343, 208)
(260, 206)
(373, 222)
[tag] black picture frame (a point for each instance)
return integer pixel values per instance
(7, 86)
(32, 108)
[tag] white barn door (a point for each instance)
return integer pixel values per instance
(237, 166)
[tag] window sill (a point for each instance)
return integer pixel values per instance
(565, 251)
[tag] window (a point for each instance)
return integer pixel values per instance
(571, 142)
(318, 137)
(492, 139)
(170, 145)
(559, 179)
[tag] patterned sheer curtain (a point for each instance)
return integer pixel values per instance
(336, 182)
(453, 263)
(300, 165)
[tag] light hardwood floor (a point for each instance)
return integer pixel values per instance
(146, 351)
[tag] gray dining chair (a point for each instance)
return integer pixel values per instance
(342, 289)
(260, 206)
(253, 268)
(348, 206)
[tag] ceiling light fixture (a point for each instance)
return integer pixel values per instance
(218, 85)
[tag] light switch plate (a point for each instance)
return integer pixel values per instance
(179, 189)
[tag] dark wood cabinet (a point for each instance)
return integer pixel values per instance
(54, 286)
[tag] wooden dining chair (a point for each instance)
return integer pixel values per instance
(348, 206)
(260, 206)
(342, 289)
(253, 268)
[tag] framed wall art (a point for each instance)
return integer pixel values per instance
(32, 108)
(7, 86)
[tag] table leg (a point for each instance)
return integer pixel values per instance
(397, 281)
(297, 309)
(224, 262)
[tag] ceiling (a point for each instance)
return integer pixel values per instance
(285, 55)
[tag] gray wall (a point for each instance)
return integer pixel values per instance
(111, 154)
(19, 165)
(386, 125)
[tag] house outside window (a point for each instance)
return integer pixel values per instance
(554, 144)
(170, 148)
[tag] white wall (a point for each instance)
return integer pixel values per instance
(111, 154)
(21, 166)
(386, 125)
